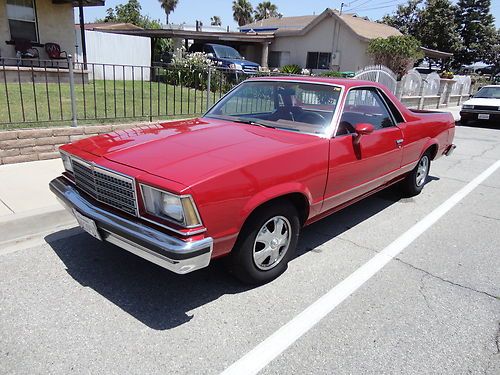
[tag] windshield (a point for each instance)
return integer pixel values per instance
(302, 107)
(488, 92)
(226, 52)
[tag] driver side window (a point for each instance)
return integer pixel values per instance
(364, 106)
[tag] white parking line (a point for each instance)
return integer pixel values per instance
(279, 341)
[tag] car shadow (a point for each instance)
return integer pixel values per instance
(163, 300)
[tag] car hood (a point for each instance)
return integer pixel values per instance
(192, 151)
(483, 101)
(239, 61)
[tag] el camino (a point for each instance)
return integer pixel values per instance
(272, 156)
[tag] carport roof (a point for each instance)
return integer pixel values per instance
(198, 35)
(85, 3)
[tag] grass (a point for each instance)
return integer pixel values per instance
(97, 102)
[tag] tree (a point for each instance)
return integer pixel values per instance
(168, 6)
(407, 17)
(242, 12)
(398, 53)
(215, 21)
(476, 26)
(437, 28)
(266, 9)
(493, 57)
(130, 12)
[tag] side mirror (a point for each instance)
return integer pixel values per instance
(211, 55)
(364, 129)
(361, 130)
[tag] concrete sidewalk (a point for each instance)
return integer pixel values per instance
(27, 207)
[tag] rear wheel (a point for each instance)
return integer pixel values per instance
(414, 183)
(266, 244)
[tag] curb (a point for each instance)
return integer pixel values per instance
(17, 227)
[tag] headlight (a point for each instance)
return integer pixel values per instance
(68, 166)
(467, 106)
(179, 209)
(235, 66)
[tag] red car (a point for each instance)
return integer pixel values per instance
(273, 155)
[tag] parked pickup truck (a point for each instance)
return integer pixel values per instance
(226, 57)
(273, 155)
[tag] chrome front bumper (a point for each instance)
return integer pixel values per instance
(162, 249)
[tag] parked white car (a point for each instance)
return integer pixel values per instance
(485, 105)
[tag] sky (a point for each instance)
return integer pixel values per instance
(189, 11)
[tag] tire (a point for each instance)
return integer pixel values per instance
(415, 181)
(261, 252)
(464, 122)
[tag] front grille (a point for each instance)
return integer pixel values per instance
(250, 69)
(105, 186)
(486, 108)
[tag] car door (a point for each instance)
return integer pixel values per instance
(356, 168)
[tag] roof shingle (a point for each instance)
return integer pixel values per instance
(364, 28)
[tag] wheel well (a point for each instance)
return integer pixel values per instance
(432, 151)
(297, 199)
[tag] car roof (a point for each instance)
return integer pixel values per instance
(347, 82)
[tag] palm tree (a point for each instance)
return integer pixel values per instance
(215, 21)
(168, 6)
(266, 9)
(242, 12)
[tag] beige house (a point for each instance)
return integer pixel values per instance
(329, 40)
(39, 22)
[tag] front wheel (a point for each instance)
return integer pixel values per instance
(266, 244)
(414, 183)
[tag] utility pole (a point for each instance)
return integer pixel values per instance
(342, 7)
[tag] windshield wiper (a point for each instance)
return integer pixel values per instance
(243, 120)
(253, 122)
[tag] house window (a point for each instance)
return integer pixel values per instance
(318, 60)
(22, 20)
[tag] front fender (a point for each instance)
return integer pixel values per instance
(274, 192)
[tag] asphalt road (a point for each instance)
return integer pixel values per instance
(75, 305)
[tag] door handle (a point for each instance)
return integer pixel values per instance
(399, 142)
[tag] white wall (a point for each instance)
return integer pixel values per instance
(107, 48)
(324, 38)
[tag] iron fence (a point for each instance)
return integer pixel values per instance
(61, 92)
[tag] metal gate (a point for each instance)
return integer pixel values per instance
(380, 74)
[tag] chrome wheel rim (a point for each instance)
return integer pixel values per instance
(271, 243)
(422, 170)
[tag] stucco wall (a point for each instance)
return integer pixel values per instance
(55, 24)
(321, 39)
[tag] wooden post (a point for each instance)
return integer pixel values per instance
(82, 33)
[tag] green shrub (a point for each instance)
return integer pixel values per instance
(291, 69)
(191, 71)
(398, 52)
(332, 74)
